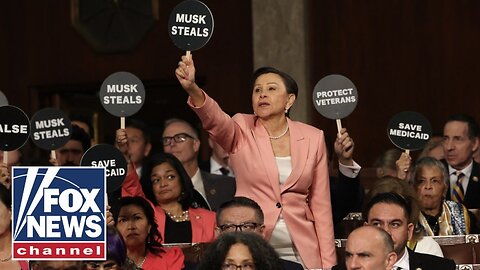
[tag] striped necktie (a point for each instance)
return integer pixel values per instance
(458, 193)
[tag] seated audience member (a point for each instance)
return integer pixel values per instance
(116, 254)
(236, 250)
(84, 123)
(369, 248)
(181, 139)
(56, 265)
(438, 216)
(170, 191)
(392, 212)
(14, 159)
(71, 153)
(218, 161)
(139, 145)
(6, 262)
(418, 242)
(245, 215)
(460, 141)
(136, 223)
(433, 148)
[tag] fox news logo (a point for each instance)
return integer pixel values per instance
(58, 213)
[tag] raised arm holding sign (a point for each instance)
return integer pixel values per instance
(408, 131)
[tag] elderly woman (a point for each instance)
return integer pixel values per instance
(438, 216)
(279, 163)
(171, 193)
(240, 250)
(137, 226)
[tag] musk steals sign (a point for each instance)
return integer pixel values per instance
(58, 213)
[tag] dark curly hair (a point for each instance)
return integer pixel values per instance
(186, 198)
(154, 239)
(264, 256)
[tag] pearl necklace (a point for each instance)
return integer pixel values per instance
(181, 218)
(279, 136)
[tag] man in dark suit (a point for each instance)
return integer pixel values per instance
(391, 212)
(244, 214)
(181, 139)
(218, 161)
(460, 135)
(371, 248)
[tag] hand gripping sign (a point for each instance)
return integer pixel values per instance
(409, 130)
(109, 157)
(122, 94)
(335, 97)
(190, 25)
(51, 129)
(14, 129)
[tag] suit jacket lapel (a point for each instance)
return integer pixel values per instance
(299, 152)
(260, 135)
(473, 187)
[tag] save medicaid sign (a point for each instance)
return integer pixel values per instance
(58, 213)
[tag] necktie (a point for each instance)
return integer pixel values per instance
(224, 171)
(458, 194)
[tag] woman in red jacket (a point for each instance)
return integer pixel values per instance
(136, 224)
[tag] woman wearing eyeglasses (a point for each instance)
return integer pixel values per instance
(279, 163)
(240, 251)
(171, 193)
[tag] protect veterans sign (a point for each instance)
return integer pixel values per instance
(190, 25)
(409, 130)
(58, 213)
(335, 96)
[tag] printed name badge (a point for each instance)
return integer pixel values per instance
(51, 129)
(190, 25)
(335, 96)
(409, 130)
(58, 213)
(3, 99)
(109, 157)
(14, 128)
(122, 94)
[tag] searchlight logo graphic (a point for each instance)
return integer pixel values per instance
(58, 213)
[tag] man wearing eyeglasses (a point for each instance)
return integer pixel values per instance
(181, 140)
(244, 214)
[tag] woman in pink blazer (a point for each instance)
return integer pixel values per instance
(279, 163)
